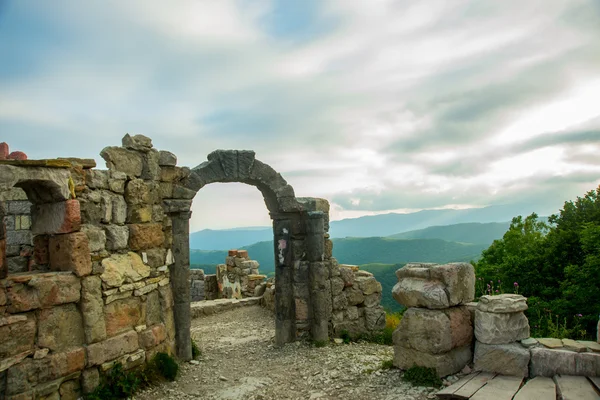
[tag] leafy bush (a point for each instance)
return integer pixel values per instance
(166, 365)
(422, 376)
(117, 384)
(195, 350)
(555, 264)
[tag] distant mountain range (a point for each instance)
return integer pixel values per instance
(427, 223)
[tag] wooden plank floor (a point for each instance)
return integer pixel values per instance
(485, 386)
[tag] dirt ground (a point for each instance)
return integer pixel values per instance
(239, 361)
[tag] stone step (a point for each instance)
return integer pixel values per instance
(499, 388)
(209, 307)
(575, 388)
(536, 389)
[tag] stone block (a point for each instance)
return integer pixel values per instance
(573, 345)
(70, 390)
(109, 349)
(340, 302)
(117, 237)
(372, 300)
(145, 236)
(166, 158)
(17, 335)
(123, 268)
(29, 373)
(40, 249)
(137, 214)
(56, 218)
(56, 288)
(368, 284)
(492, 328)
(503, 303)
(504, 359)
(92, 308)
(445, 364)
(435, 286)
(337, 286)
(60, 328)
(354, 295)
(153, 337)
(96, 178)
(70, 252)
(547, 362)
(123, 160)
(123, 315)
(141, 192)
(153, 310)
(118, 210)
(90, 379)
(96, 237)
(434, 331)
(374, 318)
(551, 343)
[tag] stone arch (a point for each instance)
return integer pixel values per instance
(42, 185)
(302, 264)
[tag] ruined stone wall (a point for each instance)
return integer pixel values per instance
(97, 289)
(197, 292)
(17, 219)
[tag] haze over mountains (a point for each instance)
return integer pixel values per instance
(379, 226)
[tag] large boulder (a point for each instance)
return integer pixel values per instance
(435, 286)
(434, 331)
(505, 359)
(445, 364)
(494, 328)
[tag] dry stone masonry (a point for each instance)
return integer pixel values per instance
(102, 273)
(500, 323)
(436, 330)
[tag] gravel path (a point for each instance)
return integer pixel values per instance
(239, 361)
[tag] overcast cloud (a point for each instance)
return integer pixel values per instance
(379, 106)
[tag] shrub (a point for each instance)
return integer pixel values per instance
(195, 350)
(166, 365)
(387, 364)
(117, 384)
(422, 376)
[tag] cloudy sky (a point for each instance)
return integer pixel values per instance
(376, 105)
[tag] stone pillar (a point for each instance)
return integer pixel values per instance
(285, 318)
(3, 263)
(180, 272)
(320, 286)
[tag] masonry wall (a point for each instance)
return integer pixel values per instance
(17, 219)
(96, 288)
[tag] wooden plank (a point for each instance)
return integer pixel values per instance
(595, 381)
(575, 388)
(473, 385)
(448, 392)
(499, 388)
(539, 388)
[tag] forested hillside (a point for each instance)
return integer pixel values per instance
(555, 264)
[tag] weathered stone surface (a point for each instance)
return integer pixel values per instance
(96, 178)
(92, 308)
(60, 328)
(166, 158)
(337, 285)
(374, 318)
(123, 268)
(368, 284)
(153, 311)
(99, 353)
(435, 286)
(570, 344)
(354, 295)
(90, 379)
(96, 237)
(70, 252)
(529, 342)
(551, 343)
(29, 373)
(444, 364)
(491, 328)
(70, 390)
(434, 331)
(122, 315)
(592, 346)
(17, 335)
(123, 160)
(547, 362)
(141, 192)
(340, 302)
(117, 237)
(505, 359)
(153, 337)
(42, 185)
(503, 303)
(30, 291)
(145, 236)
(372, 300)
(56, 218)
(137, 142)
